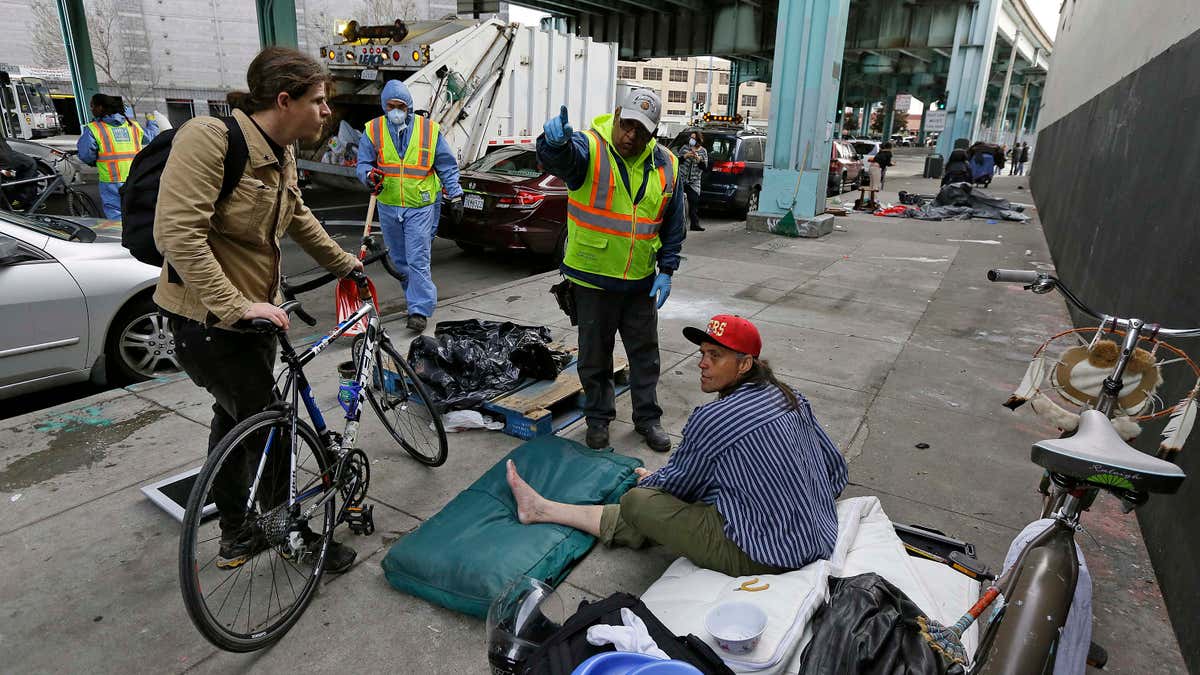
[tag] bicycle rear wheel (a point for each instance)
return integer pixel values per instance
(81, 204)
(247, 605)
(405, 407)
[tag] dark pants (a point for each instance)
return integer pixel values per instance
(693, 202)
(238, 370)
(601, 315)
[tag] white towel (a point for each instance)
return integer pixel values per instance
(632, 637)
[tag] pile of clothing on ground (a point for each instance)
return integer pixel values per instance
(959, 201)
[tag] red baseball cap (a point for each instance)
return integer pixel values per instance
(729, 331)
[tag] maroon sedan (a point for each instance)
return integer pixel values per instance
(510, 203)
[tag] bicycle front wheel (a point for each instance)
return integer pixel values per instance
(405, 407)
(81, 204)
(248, 574)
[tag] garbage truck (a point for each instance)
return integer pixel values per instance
(487, 83)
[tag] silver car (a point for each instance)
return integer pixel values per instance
(76, 306)
(56, 153)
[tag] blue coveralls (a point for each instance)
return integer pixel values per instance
(409, 232)
(89, 152)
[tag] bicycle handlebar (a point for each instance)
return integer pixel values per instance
(1013, 276)
(268, 326)
(289, 291)
(1041, 282)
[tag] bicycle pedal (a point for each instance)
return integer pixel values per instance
(361, 519)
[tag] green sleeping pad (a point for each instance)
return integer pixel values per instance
(465, 555)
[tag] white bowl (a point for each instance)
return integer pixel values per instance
(736, 626)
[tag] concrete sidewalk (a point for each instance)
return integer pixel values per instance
(888, 326)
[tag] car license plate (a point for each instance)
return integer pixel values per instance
(473, 202)
(368, 74)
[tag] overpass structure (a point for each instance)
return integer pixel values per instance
(983, 61)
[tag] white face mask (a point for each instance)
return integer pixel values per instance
(398, 118)
(692, 142)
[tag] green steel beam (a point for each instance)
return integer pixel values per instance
(277, 23)
(73, 21)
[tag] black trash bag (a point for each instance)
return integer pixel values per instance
(870, 626)
(468, 362)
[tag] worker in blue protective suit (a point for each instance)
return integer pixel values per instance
(406, 162)
(109, 143)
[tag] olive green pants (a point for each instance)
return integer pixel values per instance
(695, 531)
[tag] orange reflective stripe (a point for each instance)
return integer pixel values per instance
(101, 138)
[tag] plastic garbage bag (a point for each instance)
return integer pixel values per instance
(870, 626)
(465, 420)
(468, 362)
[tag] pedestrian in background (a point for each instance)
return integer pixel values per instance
(405, 160)
(882, 159)
(693, 159)
(624, 218)
(1014, 156)
(109, 143)
(223, 266)
(1024, 157)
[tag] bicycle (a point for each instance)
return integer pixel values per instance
(296, 472)
(1023, 634)
(79, 203)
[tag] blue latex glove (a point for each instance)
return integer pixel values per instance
(661, 289)
(558, 130)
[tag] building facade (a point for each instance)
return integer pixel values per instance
(690, 87)
(181, 57)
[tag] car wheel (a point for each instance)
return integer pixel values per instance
(469, 248)
(140, 345)
(842, 185)
(752, 201)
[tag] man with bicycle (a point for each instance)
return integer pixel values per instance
(223, 267)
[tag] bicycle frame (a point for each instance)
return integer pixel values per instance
(297, 387)
(55, 182)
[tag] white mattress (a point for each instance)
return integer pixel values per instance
(866, 542)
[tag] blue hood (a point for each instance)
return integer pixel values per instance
(396, 89)
(115, 119)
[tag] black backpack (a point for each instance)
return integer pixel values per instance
(568, 646)
(139, 194)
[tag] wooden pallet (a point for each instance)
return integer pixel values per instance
(545, 406)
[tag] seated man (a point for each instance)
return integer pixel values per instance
(749, 491)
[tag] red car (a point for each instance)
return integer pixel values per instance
(846, 169)
(510, 203)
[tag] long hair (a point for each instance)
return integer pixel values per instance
(276, 70)
(760, 373)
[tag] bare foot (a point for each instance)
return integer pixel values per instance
(530, 505)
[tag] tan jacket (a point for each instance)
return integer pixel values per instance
(228, 257)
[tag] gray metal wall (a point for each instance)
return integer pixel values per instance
(1116, 181)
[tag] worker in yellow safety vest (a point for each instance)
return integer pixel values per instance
(405, 160)
(109, 143)
(625, 217)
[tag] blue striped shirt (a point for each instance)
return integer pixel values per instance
(771, 471)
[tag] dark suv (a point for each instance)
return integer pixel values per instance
(735, 167)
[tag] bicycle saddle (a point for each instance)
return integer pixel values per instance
(1097, 454)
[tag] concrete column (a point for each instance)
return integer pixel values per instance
(966, 84)
(72, 20)
(810, 37)
(277, 23)
(1002, 107)
(921, 129)
(889, 120)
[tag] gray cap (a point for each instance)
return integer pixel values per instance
(642, 105)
